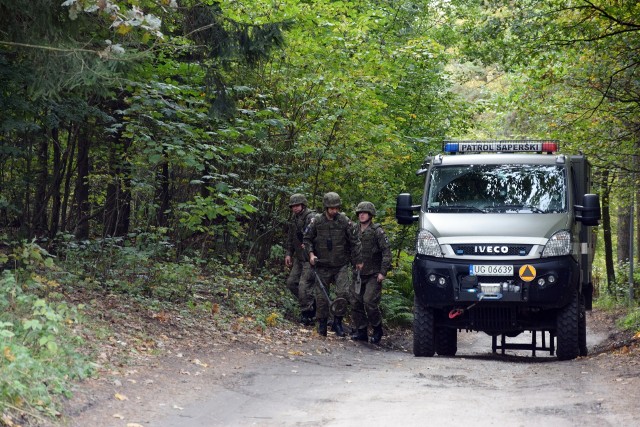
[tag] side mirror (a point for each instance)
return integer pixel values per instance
(589, 212)
(405, 209)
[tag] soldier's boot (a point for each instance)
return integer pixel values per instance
(376, 336)
(360, 335)
(312, 311)
(337, 326)
(306, 319)
(322, 327)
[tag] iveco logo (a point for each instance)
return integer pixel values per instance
(486, 249)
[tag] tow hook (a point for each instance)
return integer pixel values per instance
(458, 311)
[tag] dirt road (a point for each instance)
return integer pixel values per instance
(310, 381)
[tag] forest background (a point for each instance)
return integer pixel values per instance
(148, 148)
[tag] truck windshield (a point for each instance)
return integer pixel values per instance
(497, 189)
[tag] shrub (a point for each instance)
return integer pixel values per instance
(39, 352)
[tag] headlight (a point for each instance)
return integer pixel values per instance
(559, 244)
(427, 244)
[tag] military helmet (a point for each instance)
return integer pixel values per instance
(297, 199)
(331, 200)
(366, 207)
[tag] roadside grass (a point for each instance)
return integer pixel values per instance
(631, 321)
(629, 313)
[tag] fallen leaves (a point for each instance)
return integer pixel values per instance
(272, 319)
(199, 363)
(8, 354)
(162, 316)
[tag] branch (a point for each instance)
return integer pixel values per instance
(611, 17)
(56, 49)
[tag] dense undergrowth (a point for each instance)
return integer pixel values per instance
(46, 341)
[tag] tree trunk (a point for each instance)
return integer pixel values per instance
(606, 230)
(82, 187)
(56, 182)
(117, 204)
(637, 219)
(71, 148)
(163, 194)
(623, 232)
(39, 220)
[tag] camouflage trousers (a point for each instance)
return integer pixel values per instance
(341, 277)
(365, 306)
(300, 283)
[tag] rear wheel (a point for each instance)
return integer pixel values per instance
(423, 330)
(446, 341)
(582, 328)
(567, 330)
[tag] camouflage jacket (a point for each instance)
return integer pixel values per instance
(376, 251)
(335, 242)
(297, 225)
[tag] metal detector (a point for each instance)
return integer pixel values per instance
(337, 305)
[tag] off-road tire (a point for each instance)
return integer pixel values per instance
(446, 341)
(582, 328)
(567, 330)
(423, 330)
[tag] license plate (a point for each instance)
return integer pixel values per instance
(490, 270)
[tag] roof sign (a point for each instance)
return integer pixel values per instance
(501, 146)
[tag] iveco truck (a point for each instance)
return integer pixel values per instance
(504, 246)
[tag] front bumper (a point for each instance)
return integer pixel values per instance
(455, 287)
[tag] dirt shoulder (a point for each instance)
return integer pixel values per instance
(153, 357)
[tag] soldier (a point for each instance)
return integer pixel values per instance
(300, 280)
(333, 245)
(367, 292)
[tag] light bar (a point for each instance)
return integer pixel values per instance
(495, 146)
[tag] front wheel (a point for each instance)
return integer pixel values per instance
(567, 330)
(423, 330)
(446, 341)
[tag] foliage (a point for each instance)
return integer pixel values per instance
(142, 267)
(397, 294)
(619, 290)
(40, 350)
(244, 102)
(631, 321)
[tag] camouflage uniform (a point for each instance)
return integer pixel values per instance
(336, 244)
(300, 279)
(376, 256)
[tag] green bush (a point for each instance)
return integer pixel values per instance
(397, 294)
(631, 322)
(39, 352)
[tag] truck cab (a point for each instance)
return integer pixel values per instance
(504, 245)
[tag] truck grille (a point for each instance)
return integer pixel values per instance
(493, 318)
(483, 250)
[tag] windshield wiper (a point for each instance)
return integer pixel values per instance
(513, 207)
(455, 208)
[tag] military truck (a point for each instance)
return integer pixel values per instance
(504, 246)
